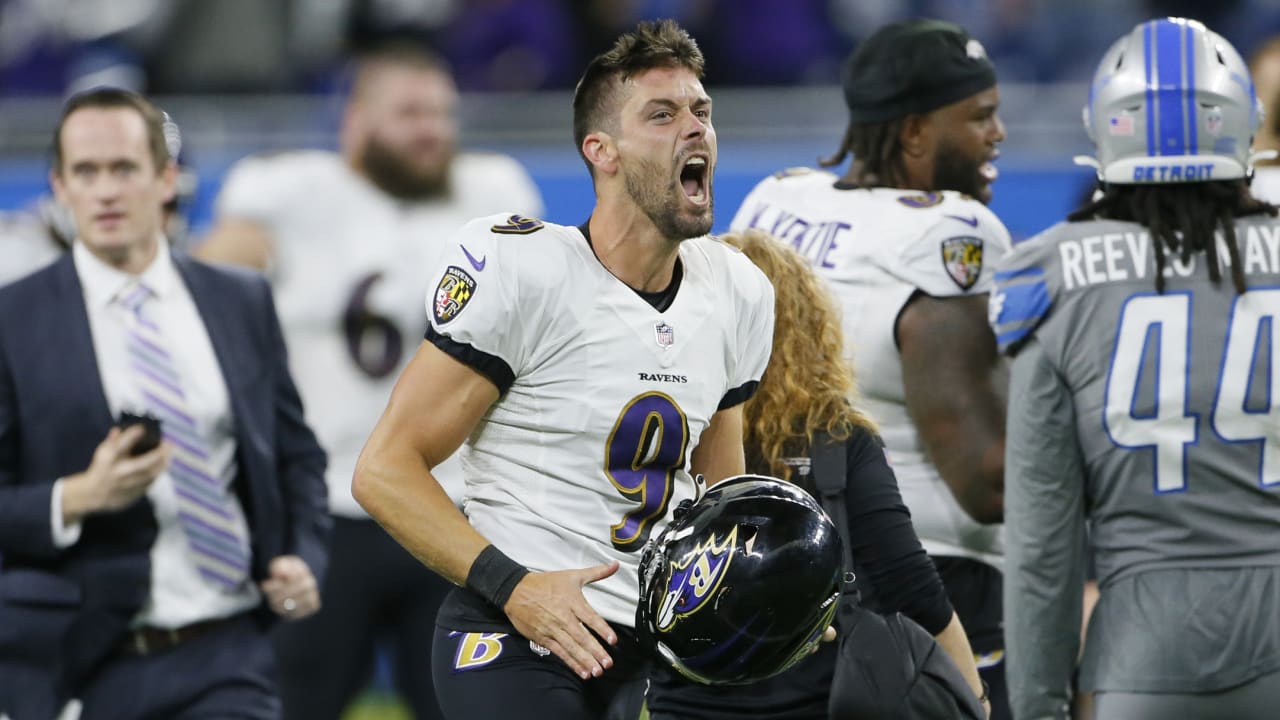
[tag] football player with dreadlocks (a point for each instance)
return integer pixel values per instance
(906, 242)
(1143, 332)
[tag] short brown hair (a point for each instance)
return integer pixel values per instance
(660, 44)
(109, 97)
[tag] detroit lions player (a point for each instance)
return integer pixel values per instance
(1142, 400)
(906, 242)
(591, 371)
(347, 239)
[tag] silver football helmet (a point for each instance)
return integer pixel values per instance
(1172, 101)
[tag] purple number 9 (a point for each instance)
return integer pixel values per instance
(645, 449)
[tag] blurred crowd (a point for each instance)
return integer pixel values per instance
(50, 47)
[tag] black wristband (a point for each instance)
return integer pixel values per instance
(493, 576)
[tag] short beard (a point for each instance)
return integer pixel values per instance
(386, 169)
(953, 171)
(663, 208)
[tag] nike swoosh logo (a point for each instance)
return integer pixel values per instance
(479, 264)
(971, 221)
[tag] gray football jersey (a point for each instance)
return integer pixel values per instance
(1172, 392)
(1164, 434)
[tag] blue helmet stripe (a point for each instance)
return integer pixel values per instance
(1151, 101)
(1190, 57)
(1170, 89)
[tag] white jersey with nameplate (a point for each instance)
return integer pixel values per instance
(603, 397)
(349, 271)
(877, 247)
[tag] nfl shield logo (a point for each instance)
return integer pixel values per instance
(1213, 121)
(664, 334)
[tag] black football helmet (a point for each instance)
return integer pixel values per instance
(741, 584)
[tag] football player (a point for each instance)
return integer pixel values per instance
(591, 371)
(1144, 336)
(347, 239)
(906, 242)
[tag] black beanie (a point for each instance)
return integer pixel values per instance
(913, 67)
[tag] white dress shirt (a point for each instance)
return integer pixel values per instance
(179, 596)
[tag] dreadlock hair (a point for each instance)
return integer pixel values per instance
(1182, 218)
(877, 148)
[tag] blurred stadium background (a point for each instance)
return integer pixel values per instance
(249, 76)
(246, 76)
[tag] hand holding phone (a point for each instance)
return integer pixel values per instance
(118, 475)
(150, 439)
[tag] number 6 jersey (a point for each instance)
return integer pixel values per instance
(348, 271)
(603, 397)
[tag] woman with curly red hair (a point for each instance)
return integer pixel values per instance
(806, 401)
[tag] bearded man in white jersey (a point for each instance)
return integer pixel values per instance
(592, 372)
(347, 239)
(906, 242)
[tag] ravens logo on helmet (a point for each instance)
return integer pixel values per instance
(742, 583)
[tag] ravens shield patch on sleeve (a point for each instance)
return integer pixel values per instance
(962, 258)
(452, 294)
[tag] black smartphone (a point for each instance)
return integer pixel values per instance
(150, 439)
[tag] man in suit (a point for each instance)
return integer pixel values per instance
(141, 582)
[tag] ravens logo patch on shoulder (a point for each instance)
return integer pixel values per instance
(452, 294)
(962, 258)
(518, 225)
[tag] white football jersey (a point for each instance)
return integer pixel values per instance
(340, 244)
(603, 397)
(26, 245)
(876, 248)
(1266, 183)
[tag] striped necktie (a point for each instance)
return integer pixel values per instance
(215, 533)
